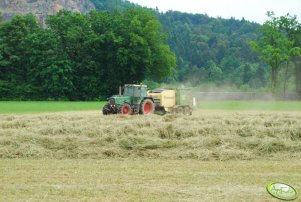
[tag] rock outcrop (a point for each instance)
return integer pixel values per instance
(43, 8)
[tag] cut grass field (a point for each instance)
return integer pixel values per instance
(143, 180)
(213, 155)
(206, 135)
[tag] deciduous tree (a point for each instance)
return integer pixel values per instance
(274, 46)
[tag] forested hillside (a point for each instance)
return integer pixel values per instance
(214, 50)
(113, 5)
(208, 50)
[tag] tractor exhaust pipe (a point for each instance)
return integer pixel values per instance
(119, 90)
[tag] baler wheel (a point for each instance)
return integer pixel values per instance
(187, 110)
(180, 110)
(159, 110)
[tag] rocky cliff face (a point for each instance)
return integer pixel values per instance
(43, 8)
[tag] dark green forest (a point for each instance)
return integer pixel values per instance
(214, 50)
(81, 57)
(87, 56)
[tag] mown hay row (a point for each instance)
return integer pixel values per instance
(206, 135)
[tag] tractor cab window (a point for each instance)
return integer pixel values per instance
(128, 91)
(131, 91)
(137, 92)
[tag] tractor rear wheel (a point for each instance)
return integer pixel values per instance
(125, 109)
(147, 107)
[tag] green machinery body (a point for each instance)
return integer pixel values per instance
(133, 100)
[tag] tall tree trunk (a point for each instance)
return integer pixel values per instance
(274, 80)
(285, 79)
(297, 62)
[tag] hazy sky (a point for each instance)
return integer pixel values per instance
(252, 10)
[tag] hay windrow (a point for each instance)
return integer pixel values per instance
(206, 135)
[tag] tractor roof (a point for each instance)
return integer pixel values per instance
(135, 85)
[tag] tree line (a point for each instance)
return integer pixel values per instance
(81, 56)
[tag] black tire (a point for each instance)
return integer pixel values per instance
(147, 107)
(159, 110)
(106, 109)
(109, 109)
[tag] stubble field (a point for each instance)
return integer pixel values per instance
(211, 155)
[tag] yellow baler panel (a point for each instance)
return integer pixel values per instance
(168, 98)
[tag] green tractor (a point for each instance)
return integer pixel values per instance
(133, 100)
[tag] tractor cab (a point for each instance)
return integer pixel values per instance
(135, 90)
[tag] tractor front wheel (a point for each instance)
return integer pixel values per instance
(147, 107)
(109, 109)
(125, 109)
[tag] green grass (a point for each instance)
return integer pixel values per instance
(52, 106)
(143, 180)
(45, 106)
(251, 105)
